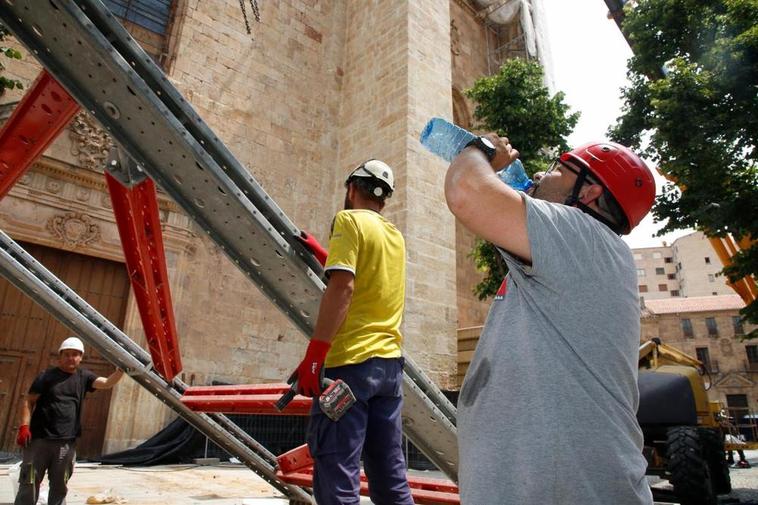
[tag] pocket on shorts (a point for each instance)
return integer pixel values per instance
(322, 435)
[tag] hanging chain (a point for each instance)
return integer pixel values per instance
(244, 16)
(255, 10)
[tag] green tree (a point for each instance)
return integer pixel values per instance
(516, 104)
(693, 106)
(9, 52)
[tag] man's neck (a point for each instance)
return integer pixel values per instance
(368, 205)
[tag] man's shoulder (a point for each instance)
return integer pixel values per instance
(86, 372)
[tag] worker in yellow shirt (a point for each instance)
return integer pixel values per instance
(357, 339)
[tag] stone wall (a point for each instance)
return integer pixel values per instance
(730, 373)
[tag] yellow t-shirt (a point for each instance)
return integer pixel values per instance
(366, 244)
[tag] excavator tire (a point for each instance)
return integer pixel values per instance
(712, 442)
(688, 468)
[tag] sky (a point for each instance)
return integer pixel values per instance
(589, 57)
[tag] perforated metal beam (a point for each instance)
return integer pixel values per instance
(99, 64)
(139, 226)
(32, 278)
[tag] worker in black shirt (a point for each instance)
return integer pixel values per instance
(50, 423)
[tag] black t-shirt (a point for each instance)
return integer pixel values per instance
(59, 406)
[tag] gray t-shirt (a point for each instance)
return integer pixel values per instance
(546, 414)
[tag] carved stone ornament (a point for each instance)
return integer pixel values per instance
(83, 194)
(74, 229)
(455, 39)
(726, 347)
(90, 142)
(53, 186)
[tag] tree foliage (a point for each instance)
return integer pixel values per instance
(9, 52)
(516, 104)
(694, 96)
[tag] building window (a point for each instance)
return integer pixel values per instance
(707, 260)
(657, 255)
(711, 278)
(643, 288)
(687, 328)
(678, 266)
(152, 15)
(148, 21)
(668, 259)
(663, 287)
(737, 325)
(738, 409)
(713, 329)
(705, 358)
(752, 356)
(640, 272)
(674, 292)
(671, 277)
(637, 256)
(659, 271)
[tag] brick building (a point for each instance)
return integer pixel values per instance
(710, 329)
(318, 88)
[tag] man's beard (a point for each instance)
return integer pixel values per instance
(541, 193)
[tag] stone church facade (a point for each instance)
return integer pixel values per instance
(319, 87)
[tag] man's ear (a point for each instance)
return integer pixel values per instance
(590, 193)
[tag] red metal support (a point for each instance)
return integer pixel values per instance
(36, 121)
(296, 467)
(245, 399)
(138, 220)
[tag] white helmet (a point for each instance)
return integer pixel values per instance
(377, 170)
(72, 343)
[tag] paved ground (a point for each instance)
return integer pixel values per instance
(236, 485)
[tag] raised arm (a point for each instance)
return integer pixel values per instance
(108, 382)
(483, 203)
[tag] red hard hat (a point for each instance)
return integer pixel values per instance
(622, 173)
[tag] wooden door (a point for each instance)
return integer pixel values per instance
(31, 333)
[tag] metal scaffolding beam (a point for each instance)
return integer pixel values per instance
(82, 44)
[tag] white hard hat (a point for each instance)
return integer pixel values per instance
(375, 169)
(72, 343)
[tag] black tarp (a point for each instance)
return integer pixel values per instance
(176, 443)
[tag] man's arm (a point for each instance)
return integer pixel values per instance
(27, 407)
(483, 203)
(334, 305)
(331, 314)
(109, 382)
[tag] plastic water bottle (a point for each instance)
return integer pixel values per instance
(515, 176)
(446, 140)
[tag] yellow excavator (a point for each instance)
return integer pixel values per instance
(684, 431)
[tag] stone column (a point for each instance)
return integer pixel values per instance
(397, 76)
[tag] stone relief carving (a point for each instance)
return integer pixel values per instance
(455, 38)
(74, 229)
(83, 194)
(105, 200)
(54, 186)
(90, 142)
(726, 347)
